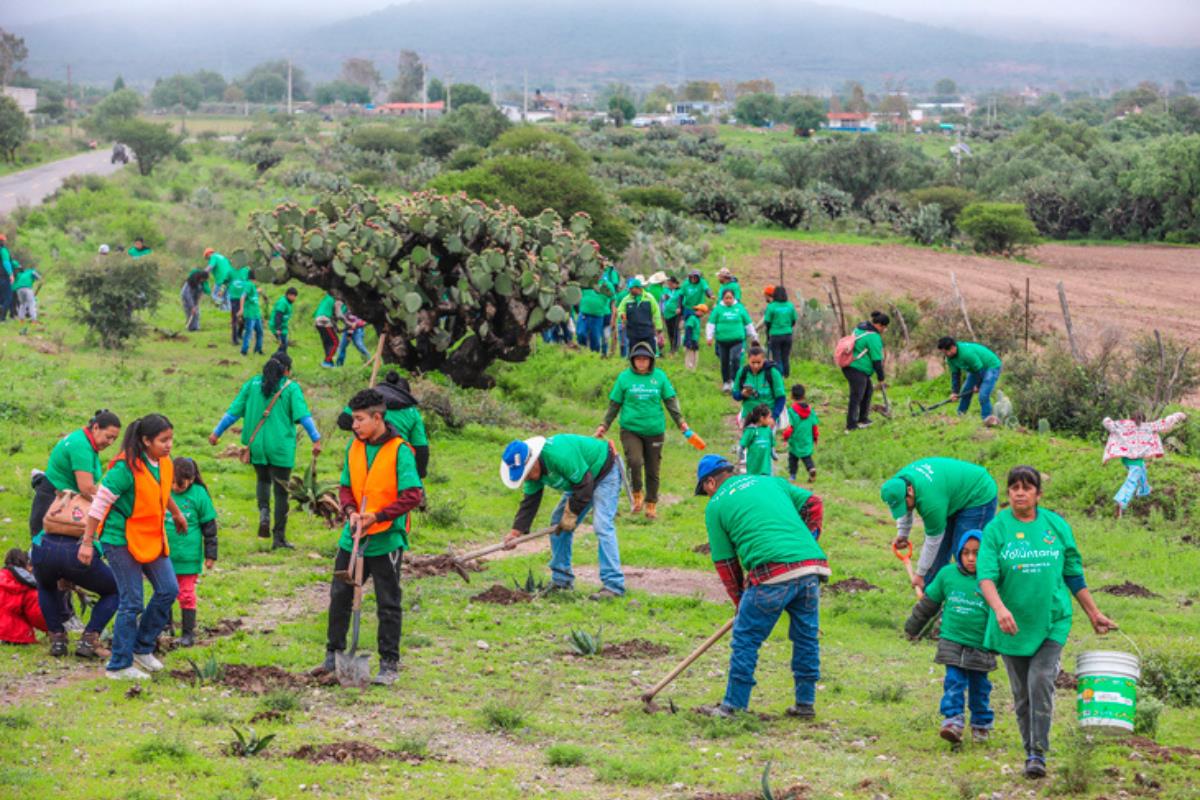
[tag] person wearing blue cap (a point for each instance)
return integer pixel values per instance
(640, 316)
(763, 533)
(587, 472)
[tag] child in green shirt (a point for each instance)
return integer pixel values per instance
(954, 592)
(801, 434)
(691, 335)
(195, 549)
(758, 441)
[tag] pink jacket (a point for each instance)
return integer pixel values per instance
(1129, 439)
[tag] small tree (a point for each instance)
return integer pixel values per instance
(621, 110)
(110, 297)
(467, 94)
(1002, 228)
(757, 109)
(151, 143)
(803, 112)
(14, 127)
(121, 105)
(177, 91)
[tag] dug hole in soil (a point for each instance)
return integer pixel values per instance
(793, 792)
(351, 752)
(1127, 589)
(501, 595)
(433, 566)
(259, 679)
(851, 586)
(634, 648)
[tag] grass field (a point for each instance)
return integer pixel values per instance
(45, 144)
(489, 703)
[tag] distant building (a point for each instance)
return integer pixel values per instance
(412, 109)
(851, 121)
(514, 112)
(27, 99)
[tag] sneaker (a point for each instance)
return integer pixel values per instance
(801, 711)
(1035, 766)
(865, 423)
(264, 529)
(327, 365)
(992, 421)
(127, 674)
(980, 735)
(603, 594)
(325, 667)
(282, 544)
(389, 673)
(73, 625)
(951, 732)
(147, 661)
(719, 711)
(58, 644)
(812, 475)
(727, 387)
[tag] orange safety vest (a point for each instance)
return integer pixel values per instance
(378, 482)
(145, 532)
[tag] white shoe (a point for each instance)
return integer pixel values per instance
(147, 661)
(726, 387)
(127, 674)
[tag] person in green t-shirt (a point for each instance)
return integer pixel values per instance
(779, 319)
(951, 496)
(281, 316)
(955, 593)
(801, 434)
(250, 310)
(691, 335)
(639, 395)
(194, 550)
(25, 297)
(379, 489)
(758, 441)
(983, 370)
(238, 280)
(588, 473)
(402, 414)
(867, 358)
(757, 383)
(726, 280)
(139, 248)
(325, 320)
(221, 272)
(672, 311)
(762, 534)
(728, 326)
(272, 405)
(1029, 567)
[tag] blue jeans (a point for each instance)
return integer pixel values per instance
(283, 342)
(605, 498)
(969, 519)
(971, 685)
(590, 332)
(252, 326)
(759, 610)
(220, 296)
(985, 381)
(349, 337)
(729, 355)
(1135, 483)
(57, 557)
(623, 338)
(131, 634)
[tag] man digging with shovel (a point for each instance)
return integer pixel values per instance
(379, 487)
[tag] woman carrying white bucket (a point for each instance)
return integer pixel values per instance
(1028, 569)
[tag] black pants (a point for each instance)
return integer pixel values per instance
(384, 572)
(57, 558)
(780, 348)
(648, 338)
(794, 464)
(730, 356)
(273, 478)
(236, 323)
(43, 498)
(643, 452)
(6, 297)
(673, 329)
(329, 342)
(859, 410)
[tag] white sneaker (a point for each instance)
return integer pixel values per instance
(726, 387)
(127, 674)
(147, 661)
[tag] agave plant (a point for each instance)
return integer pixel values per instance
(766, 783)
(318, 499)
(585, 644)
(531, 586)
(210, 671)
(249, 745)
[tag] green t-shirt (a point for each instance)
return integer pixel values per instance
(239, 282)
(972, 357)
(724, 287)
(384, 542)
(641, 398)
(694, 293)
(325, 308)
(766, 386)
(276, 441)
(670, 302)
(187, 550)
(780, 318)
(942, 487)
(870, 345)
(758, 441)
(73, 453)
(729, 322)
(757, 519)
(409, 424)
(220, 269)
(25, 279)
(964, 612)
(594, 303)
(655, 290)
(801, 443)
(119, 481)
(283, 307)
(1028, 561)
(135, 253)
(566, 459)
(252, 307)
(692, 325)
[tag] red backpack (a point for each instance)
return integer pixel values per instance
(843, 351)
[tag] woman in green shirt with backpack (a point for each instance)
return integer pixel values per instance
(864, 358)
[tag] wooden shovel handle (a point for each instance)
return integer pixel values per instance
(687, 662)
(492, 548)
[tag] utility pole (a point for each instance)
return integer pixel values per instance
(289, 97)
(449, 83)
(70, 116)
(424, 93)
(525, 100)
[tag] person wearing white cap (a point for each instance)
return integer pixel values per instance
(587, 472)
(103, 249)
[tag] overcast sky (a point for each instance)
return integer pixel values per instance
(1167, 22)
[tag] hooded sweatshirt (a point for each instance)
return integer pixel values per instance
(19, 610)
(964, 614)
(403, 415)
(802, 432)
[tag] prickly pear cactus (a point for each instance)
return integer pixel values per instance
(452, 284)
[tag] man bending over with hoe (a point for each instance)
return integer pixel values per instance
(379, 487)
(983, 370)
(763, 533)
(586, 470)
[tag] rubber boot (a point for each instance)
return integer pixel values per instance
(188, 639)
(58, 644)
(90, 646)
(264, 523)
(651, 510)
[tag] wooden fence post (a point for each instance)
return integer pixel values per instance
(962, 304)
(1062, 298)
(1026, 313)
(841, 308)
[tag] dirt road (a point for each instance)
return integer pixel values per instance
(1135, 288)
(31, 186)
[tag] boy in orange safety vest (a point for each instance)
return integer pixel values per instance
(379, 487)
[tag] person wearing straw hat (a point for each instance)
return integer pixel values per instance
(763, 533)
(1029, 567)
(727, 280)
(586, 470)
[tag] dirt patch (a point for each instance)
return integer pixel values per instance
(260, 679)
(635, 648)
(793, 792)
(501, 595)
(225, 362)
(1127, 589)
(433, 566)
(1066, 680)
(851, 586)
(270, 715)
(703, 549)
(351, 752)
(232, 451)
(225, 627)
(306, 601)
(653, 580)
(1159, 751)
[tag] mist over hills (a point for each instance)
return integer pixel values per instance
(798, 45)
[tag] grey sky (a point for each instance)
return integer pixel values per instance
(1164, 22)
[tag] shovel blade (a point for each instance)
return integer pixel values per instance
(353, 669)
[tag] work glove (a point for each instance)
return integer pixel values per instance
(569, 520)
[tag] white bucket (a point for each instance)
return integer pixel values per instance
(1107, 693)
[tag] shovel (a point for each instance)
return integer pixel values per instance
(939, 404)
(459, 563)
(351, 668)
(887, 404)
(649, 706)
(905, 555)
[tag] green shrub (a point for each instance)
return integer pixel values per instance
(951, 200)
(1174, 678)
(653, 197)
(411, 745)
(110, 298)
(914, 371)
(715, 197)
(1002, 228)
(499, 716)
(565, 755)
(383, 138)
(527, 140)
(152, 143)
(1145, 720)
(160, 749)
(928, 226)
(888, 695)
(787, 208)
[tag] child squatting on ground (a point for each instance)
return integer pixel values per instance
(801, 434)
(955, 591)
(758, 441)
(20, 613)
(1133, 441)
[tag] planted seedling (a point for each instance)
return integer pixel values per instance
(531, 586)
(211, 671)
(766, 783)
(248, 745)
(586, 644)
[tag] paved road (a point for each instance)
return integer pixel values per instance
(32, 185)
